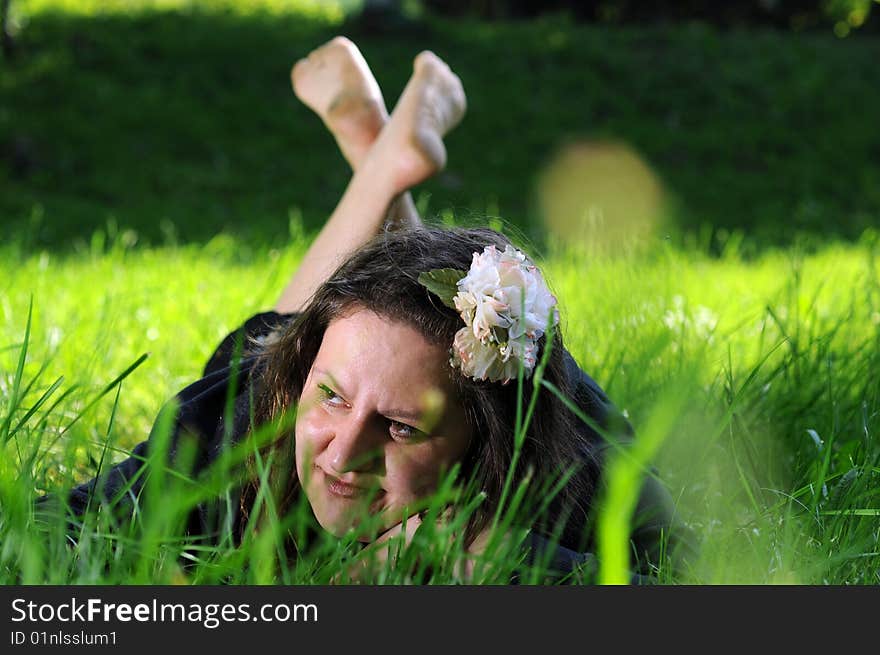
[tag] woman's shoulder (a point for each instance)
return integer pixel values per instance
(592, 400)
(258, 330)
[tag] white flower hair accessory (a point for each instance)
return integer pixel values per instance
(506, 307)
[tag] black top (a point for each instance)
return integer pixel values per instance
(201, 409)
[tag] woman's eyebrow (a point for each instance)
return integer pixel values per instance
(402, 414)
(333, 380)
(426, 417)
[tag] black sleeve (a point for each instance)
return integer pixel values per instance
(199, 414)
(563, 565)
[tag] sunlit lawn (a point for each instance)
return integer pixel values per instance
(776, 356)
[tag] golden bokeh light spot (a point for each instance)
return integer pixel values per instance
(601, 194)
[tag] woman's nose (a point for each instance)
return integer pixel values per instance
(356, 446)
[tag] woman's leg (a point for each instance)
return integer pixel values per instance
(408, 150)
(336, 83)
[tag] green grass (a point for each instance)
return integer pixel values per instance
(727, 386)
(166, 183)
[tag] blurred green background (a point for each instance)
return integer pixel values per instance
(175, 120)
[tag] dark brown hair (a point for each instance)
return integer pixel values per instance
(383, 277)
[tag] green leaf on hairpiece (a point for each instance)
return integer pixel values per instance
(443, 283)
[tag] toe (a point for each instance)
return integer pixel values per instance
(341, 42)
(297, 71)
(426, 60)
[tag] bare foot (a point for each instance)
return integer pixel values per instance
(411, 145)
(336, 83)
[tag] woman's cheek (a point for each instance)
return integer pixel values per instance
(312, 436)
(414, 474)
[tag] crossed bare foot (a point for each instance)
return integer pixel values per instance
(410, 147)
(336, 83)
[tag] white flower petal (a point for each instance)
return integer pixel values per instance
(502, 295)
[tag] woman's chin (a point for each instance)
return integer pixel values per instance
(365, 527)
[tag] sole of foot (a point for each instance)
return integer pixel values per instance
(336, 83)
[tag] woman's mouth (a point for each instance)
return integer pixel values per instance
(341, 489)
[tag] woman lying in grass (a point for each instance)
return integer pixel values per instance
(397, 358)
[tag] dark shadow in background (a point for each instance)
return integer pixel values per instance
(182, 125)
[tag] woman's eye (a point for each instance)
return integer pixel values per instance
(404, 432)
(329, 396)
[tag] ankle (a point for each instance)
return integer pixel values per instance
(376, 175)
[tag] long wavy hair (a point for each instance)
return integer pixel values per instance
(382, 277)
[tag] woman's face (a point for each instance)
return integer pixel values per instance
(378, 421)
